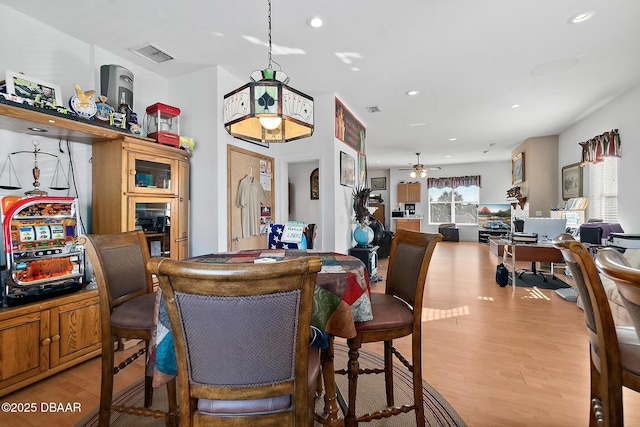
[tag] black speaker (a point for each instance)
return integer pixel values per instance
(116, 83)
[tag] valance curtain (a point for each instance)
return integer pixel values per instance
(601, 146)
(454, 181)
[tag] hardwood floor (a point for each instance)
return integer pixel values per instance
(500, 356)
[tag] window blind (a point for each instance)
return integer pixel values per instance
(603, 189)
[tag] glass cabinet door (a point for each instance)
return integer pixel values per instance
(150, 174)
(153, 216)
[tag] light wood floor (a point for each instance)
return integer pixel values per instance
(501, 357)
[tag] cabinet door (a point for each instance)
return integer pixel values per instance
(414, 192)
(78, 330)
(403, 193)
(408, 224)
(154, 215)
(24, 347)
(183, 211)
(151, 174)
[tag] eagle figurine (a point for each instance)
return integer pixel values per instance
(84, 98)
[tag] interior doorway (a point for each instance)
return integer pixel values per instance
(305, 194)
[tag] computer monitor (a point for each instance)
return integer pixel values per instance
(545, 228)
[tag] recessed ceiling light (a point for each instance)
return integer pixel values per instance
(453, 139)
(448, 157)
(217, 34)
(355, 69)
(412, 92)
(315, 22)
(515, 106)
(581, 17)
(418, 124)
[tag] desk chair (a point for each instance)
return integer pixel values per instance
(242, 333)
(127, 308)
(614, 351)
(396, 313)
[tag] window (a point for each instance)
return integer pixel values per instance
(603, 189)
(459, 204)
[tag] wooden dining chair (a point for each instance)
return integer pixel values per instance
(614, 350)
(127, 308)
(614, 265)
(242, 334)
(396, 313)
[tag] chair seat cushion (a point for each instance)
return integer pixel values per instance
(137, 313)
(388, 313)
(222, 408)
(629, 349)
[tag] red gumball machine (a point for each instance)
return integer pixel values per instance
(163, 124)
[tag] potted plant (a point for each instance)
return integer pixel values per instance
(363, 234)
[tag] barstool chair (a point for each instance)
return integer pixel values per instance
(127, 308)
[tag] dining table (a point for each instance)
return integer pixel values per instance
(342, 296)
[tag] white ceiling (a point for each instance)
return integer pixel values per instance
(471, 60)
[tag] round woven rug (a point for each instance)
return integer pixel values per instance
(371, 397)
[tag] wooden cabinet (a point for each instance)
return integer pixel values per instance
(409, 192)
(40, 339)
(379, 213)
(139, 185)
(408, 224)
(129, 173)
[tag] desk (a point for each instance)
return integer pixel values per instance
(341, 297)
(533, 252)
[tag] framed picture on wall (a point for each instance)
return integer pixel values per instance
(517, 168)
(362, 169)
(378, 183)
(571, 181)
(347, 170)
(314, 184)
(32, 88)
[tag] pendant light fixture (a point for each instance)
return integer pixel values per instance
(266, 109)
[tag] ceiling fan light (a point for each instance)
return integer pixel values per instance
(423, 174)
(413, 174)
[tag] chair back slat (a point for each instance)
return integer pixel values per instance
(248, 331)
(409, 261)
(119, 264)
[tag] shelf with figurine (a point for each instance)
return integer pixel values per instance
(24, 115)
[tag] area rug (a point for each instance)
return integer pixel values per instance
(528, 280)
(438, 412)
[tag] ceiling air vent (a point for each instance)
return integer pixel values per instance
(152, 53)
(374, 109)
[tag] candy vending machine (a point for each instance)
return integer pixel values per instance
(42, 254)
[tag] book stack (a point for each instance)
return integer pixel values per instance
(525, 237)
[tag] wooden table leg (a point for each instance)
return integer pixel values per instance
(331, 407)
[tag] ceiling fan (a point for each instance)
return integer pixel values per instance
(419, 169)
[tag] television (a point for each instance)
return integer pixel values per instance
(545, 228)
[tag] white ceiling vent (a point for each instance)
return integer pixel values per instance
(152, 53)
(374, 109)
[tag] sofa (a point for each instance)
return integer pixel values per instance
(618, 310)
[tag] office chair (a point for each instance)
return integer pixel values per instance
(127, 308)
(614, 351)
(242, 333)
(396, 313)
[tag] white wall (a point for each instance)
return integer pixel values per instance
(621, 114)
